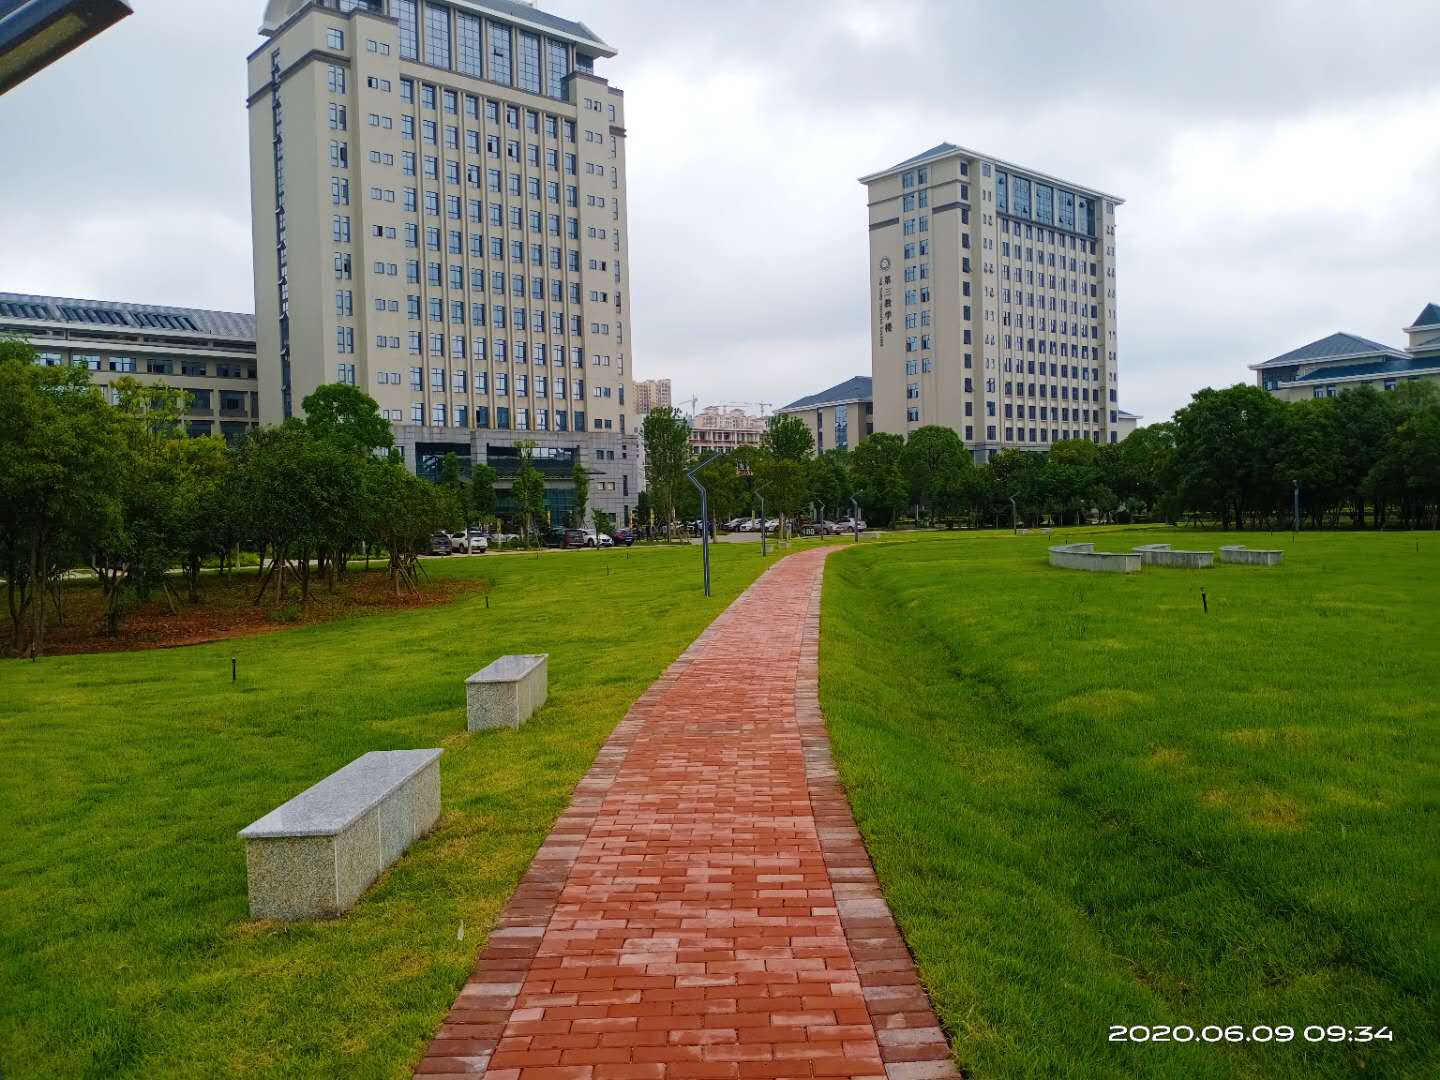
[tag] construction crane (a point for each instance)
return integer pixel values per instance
(763, 406)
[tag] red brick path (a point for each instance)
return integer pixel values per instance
(705, 908)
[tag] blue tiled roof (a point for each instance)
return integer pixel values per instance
(109, 315)
(1429, 317)
(1407, 366)
(856, 389)
(935, 151)
(1331, 348)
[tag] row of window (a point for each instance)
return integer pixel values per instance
(485, 49)
(128, 365)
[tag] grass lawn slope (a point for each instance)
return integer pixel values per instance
(125, 949)
(1091, 804)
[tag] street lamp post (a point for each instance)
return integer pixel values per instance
(704, 517)
(1297, 507)
(745, 471)
(1014, 516)
(855, 519)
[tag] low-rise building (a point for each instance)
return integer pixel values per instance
(840, 417)
(1344, 361)
(1125, 424)
(721, 429)
(208, 354)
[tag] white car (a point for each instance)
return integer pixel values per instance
(847, 526)
(605, 540)
(479, 543)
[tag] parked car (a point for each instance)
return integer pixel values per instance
(817, 528)
(605, 540)
(626, 537)
(504, 538)
(459, 542)
(479, 542)
(440, 544)
(848, 525)
(577, 538)
(734, 524)
(554, 538)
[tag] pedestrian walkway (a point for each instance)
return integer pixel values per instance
(705, 908)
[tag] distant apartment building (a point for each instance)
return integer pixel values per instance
(208, 354)
(439, 208)
(841, 417)
(721, 429)
(651, 394)
(1344, 361)
(992, 302)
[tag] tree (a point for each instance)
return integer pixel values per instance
(930, 453)
(875, 469)
(1069, 479)
(828, 482)
(204, 514)
(62, 458)
(581, 478)
(666, 437)
(788, 438)
(604, 522)
(401, 510)
(347, 416)
(785, 448)
(1225, 452)
(455, 502)
(482, 493)
(528, 490)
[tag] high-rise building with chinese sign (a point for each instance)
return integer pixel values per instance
(992, 302)
(439, 196)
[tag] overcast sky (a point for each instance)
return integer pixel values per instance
(1280, 162)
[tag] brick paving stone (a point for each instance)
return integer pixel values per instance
(705, 908)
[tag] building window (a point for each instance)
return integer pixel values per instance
(334, 38)
(468, 45)
(528, 63)
(404, 11)
(437, 35)
(500, 54)
(557, 67)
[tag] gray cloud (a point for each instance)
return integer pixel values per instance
(1278, 160)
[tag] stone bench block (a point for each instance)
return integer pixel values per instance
(507, 693)
(1239, 553)
(1085, 557)
(313, 857)
(1162, 555)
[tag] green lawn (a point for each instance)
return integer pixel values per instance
(125, 949)
(1091, 804)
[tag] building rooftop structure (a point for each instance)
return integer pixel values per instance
(853, 389)
(1329, 364)
(108, 315)
(517, 12)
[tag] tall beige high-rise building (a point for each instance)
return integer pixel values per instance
(992, 302)
(440, 218)
(651, 394)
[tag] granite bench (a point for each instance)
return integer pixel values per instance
(1085, 557)
(1163, 555)
(1239, 553)
(313, 857)
(506, 693)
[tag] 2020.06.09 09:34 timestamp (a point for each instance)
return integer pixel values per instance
(1256, 1033)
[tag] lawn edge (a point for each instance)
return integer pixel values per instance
(913, 1045)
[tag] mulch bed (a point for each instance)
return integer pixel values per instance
(226, 611)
